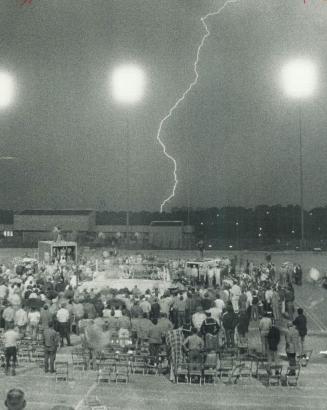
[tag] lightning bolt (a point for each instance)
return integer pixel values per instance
(189, 88)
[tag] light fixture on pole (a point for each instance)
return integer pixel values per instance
(7, 89)
(299, 81)
(127, 85)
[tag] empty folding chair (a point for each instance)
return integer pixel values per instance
(226, 367)
(138, 364)
(122, 373)
(106, 374)
(61, 371)
(181, 374)
(78, 360)
(92, 402)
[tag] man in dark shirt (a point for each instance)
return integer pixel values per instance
(209, 330)
(229, 322)
(273, 339)
(51, 341)
(300, 323)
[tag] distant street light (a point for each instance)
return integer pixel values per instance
(127, 87)
(299, 81)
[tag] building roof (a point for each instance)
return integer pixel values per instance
(49, 212)
(167, 223)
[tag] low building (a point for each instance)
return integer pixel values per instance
(31, 226)
(35, 225)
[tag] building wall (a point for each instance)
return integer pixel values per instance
(48, 222)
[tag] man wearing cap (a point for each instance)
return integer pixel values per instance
(15, 400)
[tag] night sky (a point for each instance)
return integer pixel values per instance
(235, 137)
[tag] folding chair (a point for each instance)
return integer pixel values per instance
(151, 367)
(292, 375)
(92, 402)
(182, 372)
(210, 368)
(78, 360)
(236, 373)
(275, 375)
(38, 355)
(23, 354)
(61, 371)
(139, 364)
(122, 373)
(226, 367)
(106, 373)
(195, 372)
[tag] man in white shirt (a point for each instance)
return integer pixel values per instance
(211, 274)
(63, 324)
(21, 320)
(10, 339)
(217, 276)
(8, 315)
(198, 318)
(145, 306)
(220, 304)
(235, 295)
(33, 322)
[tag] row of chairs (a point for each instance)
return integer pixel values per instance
(137, 363)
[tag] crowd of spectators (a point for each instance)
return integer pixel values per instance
(202, 313)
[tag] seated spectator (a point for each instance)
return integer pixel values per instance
(194, 345)
(155, 340)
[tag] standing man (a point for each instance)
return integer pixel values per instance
(11, 337)
(63, 324)
(300, 323)
(21, 320)
(51, 342)
(292, 344)
(265, 325)
(33, 322)
(273, 342)
(8, 315)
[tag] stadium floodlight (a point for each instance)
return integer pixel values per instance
(299, 78)
(7, 89)
(128, 82)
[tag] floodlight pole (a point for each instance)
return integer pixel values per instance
(301, 175)
(127, 137)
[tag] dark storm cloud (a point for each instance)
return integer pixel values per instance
(235, 137)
